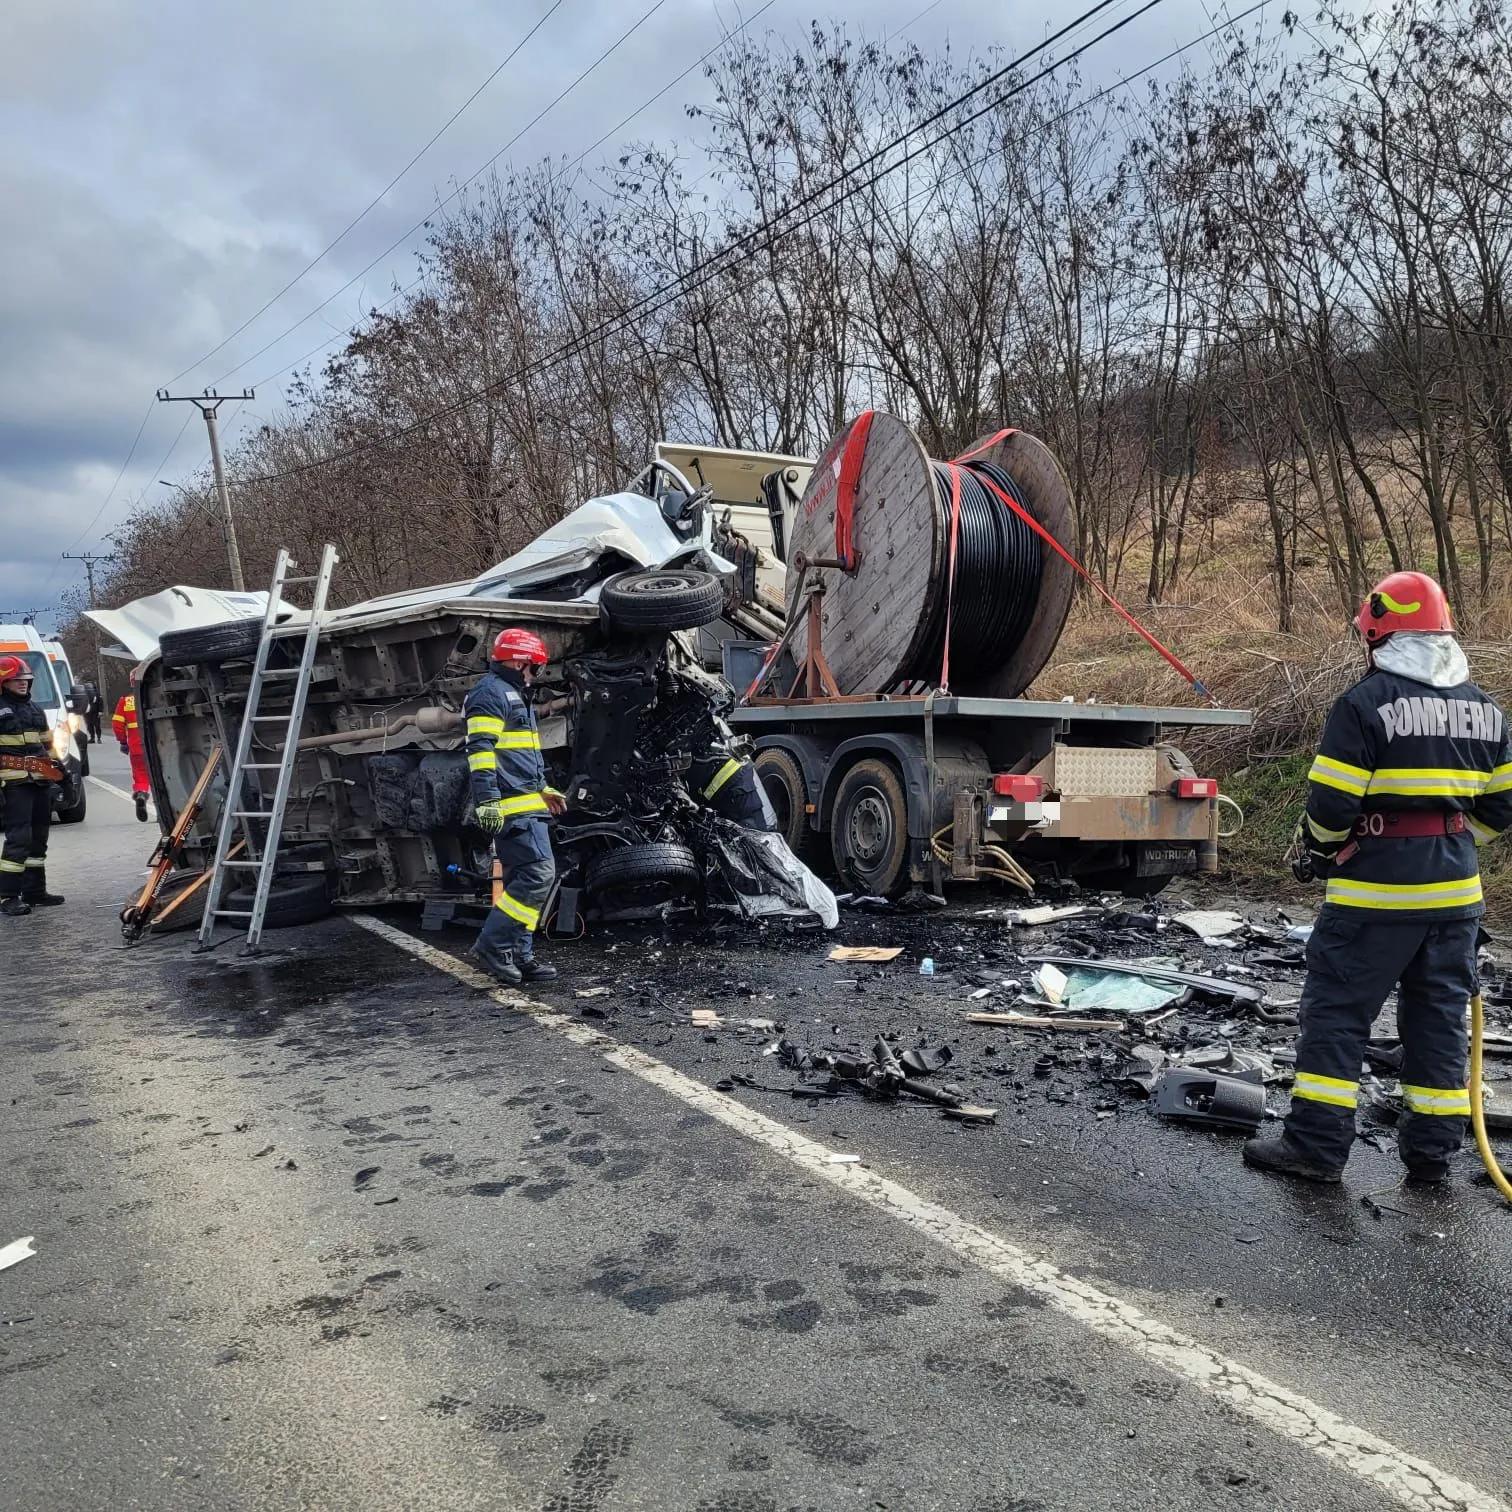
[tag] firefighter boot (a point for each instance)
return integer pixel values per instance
(533, 970)
(493, 949)
(140, 799)
(15, 906)
(35, 892)
(1287, 1159)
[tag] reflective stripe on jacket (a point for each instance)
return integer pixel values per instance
(23, 732)
(1392, 745)
(504, 748)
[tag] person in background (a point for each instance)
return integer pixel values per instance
(128, 735)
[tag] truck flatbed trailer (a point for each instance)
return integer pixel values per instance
(905, 791)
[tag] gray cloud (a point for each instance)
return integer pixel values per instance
(171, 166)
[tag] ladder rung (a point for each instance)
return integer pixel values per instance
(254, 865)
(270, 718)
(288, 581)
(232, 913)
(251, 813)
(261, 766)
(280, 672)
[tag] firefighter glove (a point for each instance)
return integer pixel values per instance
(491, 816)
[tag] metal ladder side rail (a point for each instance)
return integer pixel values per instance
(236, 776)
(289, 756)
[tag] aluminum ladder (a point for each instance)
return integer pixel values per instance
(265, 855)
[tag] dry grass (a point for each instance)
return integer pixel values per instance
(1224, 630)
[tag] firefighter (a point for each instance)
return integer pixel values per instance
(729, 784)
(512, 800)
(128, 735)
(1414, 772)
(27, 772)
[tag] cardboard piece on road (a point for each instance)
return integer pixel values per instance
(866, 953)
(592, 992)
(17, 1251)
(1026, 1021)
(704, 1018)
(1046, 913)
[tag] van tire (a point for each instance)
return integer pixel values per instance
(294, 898)
(209, 645)
(665, 599)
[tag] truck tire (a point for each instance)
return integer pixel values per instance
(637, 865)
(294, 898)
(667, 599)
(869, 829)
(787, 792)
(208, 645)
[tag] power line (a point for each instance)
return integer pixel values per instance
(639, 110)
(372, 203)
(703, 271)
(421, 224)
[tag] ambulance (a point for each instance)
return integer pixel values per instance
(51, 683)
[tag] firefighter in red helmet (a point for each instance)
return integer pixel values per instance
(27, 772)
(512, 801)
(1414, 772)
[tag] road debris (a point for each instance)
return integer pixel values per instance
(1030, 1021)
(874, 953)
(1209, 1098)
(17, 1251)
(1212, 926)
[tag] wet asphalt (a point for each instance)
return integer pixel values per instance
(331, 1230)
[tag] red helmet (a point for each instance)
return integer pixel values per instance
(12, 668)
(1403, 601)
(515, 644)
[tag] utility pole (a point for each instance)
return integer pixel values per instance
(207, 404)
(90, 560)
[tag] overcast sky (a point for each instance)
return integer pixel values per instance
(170, 167)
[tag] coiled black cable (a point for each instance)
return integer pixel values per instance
(997, 579)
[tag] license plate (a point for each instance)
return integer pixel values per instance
(1165, 860)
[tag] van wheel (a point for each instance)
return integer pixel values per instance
(786, 791)
(293, 898)
(869, 829)
(665, 599)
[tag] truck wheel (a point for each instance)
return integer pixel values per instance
(787, 792)
(662, 600)
(869, 829)
(209, 645)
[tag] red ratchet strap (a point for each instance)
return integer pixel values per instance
(1197, 684)
(850, 477)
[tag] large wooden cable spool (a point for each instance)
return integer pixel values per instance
(877, 616)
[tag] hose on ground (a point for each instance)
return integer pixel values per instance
(1478, 1099)
(1225, 801)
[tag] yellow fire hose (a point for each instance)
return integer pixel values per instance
(1477, 1103)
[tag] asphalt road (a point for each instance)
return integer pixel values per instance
(334, 1229)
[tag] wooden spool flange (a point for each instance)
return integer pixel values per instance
(876, 617)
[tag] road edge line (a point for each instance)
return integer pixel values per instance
(1412, 1481)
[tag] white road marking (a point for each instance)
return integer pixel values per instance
(1413, 1482)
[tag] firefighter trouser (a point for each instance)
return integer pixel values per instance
(1352, 965)
(25, 814)
(523, 847)
(139, 779)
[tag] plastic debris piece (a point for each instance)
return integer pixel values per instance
(1046, 913)
(1211, 925)
(1207, 1097)
(926, 966)
(1140, 1067)
(877, 953)
(1227, 989)
(1299, 934)
(1248, 1065)
(980, 993)
(1051, 981)
(971, 1113)
(592, 992)
(17, 1251)
(703, 1018)
(922, 1062)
